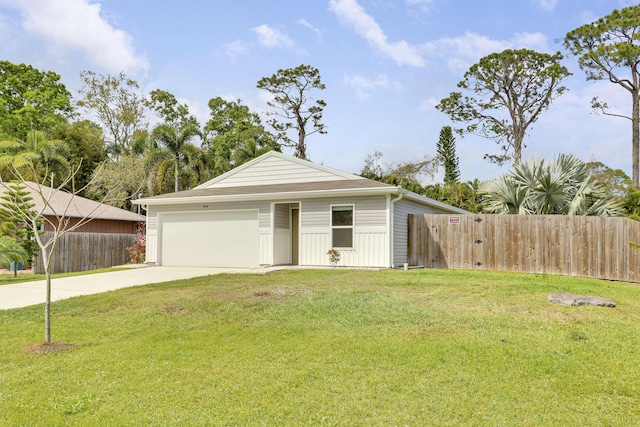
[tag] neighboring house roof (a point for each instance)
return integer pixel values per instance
(259, 180)
(72, 206)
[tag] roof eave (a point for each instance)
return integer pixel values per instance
(288, 195)
(434, 203)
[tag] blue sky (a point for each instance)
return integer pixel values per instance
(385, 63)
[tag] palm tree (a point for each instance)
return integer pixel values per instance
(562, 186)
(460, 194)
(198, 162)
(34, 157)
(12, 252)
(174, 139)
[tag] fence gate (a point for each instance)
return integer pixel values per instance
(555, 244)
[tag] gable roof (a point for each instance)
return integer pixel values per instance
(275, 176)
(277, 168)
(73, 206)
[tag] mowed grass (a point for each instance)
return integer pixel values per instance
(8, 278)
(329, 347)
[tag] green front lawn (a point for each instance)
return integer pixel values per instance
(329, 347)
(23, 276)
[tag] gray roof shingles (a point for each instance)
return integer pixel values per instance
(74, 206)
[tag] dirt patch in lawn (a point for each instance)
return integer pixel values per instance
(48, 348)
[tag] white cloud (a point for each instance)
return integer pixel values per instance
(423, 5)
(352, 14)
(236, 48)
(547, 5)
(462, 52)
(271, 37)
(307, 24)
(587, 17)
(429, 104)
(77, 25)
(5, 29)
(534, 41)
(365, 87)
(259, 103)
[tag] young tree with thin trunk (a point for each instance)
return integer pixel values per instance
(57, 219)
(509, 91)
(609, 49)
(294, 106)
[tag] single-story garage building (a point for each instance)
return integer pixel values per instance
(280, 210)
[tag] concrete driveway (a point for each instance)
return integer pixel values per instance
(30, 293)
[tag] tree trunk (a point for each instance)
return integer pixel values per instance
(519, 133)
(177, 173)
(517, 152)
(301, 148)
(635, 136)
(47, 303)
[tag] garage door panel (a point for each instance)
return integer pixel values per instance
(210, 239)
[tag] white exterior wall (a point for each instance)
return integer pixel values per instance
(281, 247)
(370, 240)
(401, 210)
(371, 237)
(281, 234)
(152, 236)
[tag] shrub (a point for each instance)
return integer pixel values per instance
(138, 251)
(334, 256)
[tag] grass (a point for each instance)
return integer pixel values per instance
(9, 279)
(330, 347)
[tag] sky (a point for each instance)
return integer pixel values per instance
(385, 64)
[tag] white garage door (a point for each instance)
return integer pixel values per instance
(209, 239)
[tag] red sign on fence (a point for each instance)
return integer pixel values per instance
(454, 220)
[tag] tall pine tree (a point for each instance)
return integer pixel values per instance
(446, 156)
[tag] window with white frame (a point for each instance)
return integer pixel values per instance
(342, 226)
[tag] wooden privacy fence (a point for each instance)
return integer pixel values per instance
(594, 247)
(86, 251)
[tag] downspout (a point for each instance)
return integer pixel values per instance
(391, 226)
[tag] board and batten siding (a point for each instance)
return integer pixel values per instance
(264, 224)
(370, 240)
(282, 233)
(274, 170)
(401, 210)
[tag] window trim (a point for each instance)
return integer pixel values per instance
(343, 227)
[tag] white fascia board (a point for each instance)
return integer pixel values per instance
(269, 196)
